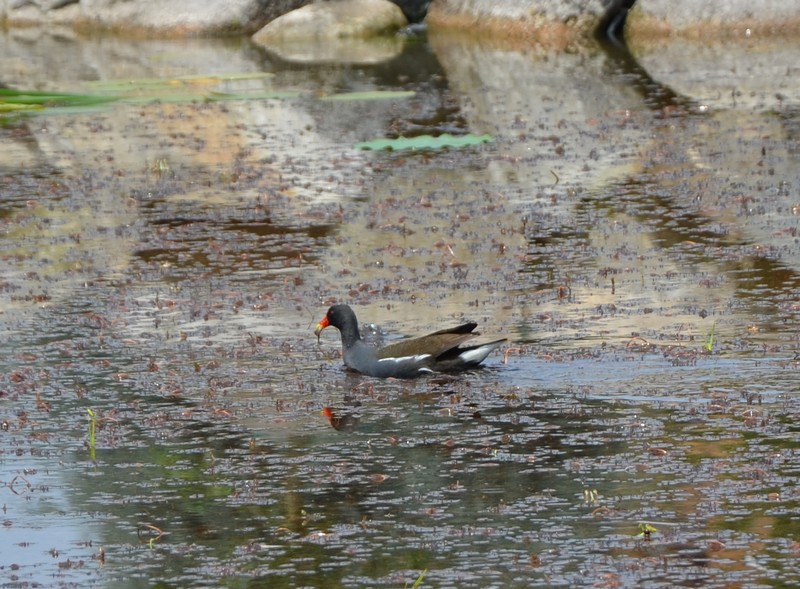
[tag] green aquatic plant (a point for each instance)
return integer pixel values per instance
(154, 532)
(92, 432)
(424, 142)
(418, 583)
(710, 339)
(17, 102)
(209, 88)
(370, 95)
(31, 98)
(646, 530)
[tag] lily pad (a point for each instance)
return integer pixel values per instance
(425, 142)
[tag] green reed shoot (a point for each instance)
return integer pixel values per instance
(710, 338)
(92, 432)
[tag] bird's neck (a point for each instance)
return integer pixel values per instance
(350, 334)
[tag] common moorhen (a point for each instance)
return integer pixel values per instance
(440, 351)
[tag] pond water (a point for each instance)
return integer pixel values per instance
(166, 255)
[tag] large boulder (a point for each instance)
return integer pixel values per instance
(342, 31)
(152, 17)
(548, 22)
(337, 19)
(651, 20)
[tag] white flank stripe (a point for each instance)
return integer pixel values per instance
(477, 355)
(401, 359)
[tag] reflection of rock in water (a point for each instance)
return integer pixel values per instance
(756, 76)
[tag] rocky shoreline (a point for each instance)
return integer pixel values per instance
(549, 22)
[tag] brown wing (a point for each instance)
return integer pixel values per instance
(435, 344)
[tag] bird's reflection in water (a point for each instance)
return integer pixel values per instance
(343, 420)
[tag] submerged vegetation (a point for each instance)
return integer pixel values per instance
(168, 90)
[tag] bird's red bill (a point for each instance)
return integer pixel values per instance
(321, 325)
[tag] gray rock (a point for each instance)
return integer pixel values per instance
(190, 17)
(352, 51)
(340, 31)
(194, 16)
(337, 19)
(652, 19)
(550, 22)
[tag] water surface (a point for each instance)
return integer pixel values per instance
(165, 259)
